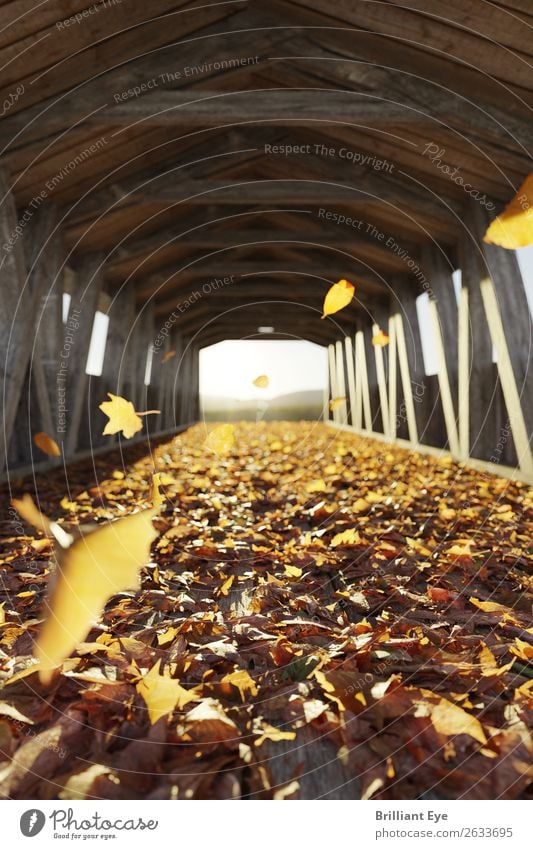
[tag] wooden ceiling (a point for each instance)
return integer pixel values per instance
(161, 130)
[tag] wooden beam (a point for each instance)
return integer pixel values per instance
(361, 375)
(197, 109)
(84, 300)
(508, 381)
(463, 375)
(406, 379)
(225, 269)
(382, 384)
(350, 370)
(393, 377)
(444, 381)
(341, 383)
(333, 389)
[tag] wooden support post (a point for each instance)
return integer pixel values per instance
(332, 379)
(46, 279)
(406, 380)
(393, 378)
(463, 377)
(507, 377)
(438, 271)
(382, 384)
(350, 370)
(484, 421)
(21, 297)
(121, 312)
(502, 267)
(341, 383)
(361, 376)
(71, 375)
(405, 295)
(444, 382)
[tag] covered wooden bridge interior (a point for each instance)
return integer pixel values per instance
(196, 172)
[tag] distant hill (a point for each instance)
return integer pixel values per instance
(290, 407)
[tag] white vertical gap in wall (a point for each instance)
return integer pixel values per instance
(67, 298)
(429, 351)
(149, 361)
(95, 358)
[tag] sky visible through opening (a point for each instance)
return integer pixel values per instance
(229, 368)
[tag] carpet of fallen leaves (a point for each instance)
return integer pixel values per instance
(346, 620)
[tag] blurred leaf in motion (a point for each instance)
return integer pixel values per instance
(513, 228)
(47, 444)
(338, 297)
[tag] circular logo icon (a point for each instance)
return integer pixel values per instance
(32, 822)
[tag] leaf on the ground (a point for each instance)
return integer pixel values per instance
(163, 694)
(450, 719)
(221, 439)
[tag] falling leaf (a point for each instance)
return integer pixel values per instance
(122, 416)
(163, 694)
(262, 381)
(450, 719)
(168, 356)
(338, 297)
(335, 403)
(513, 228)
(292, 571)
(380, 339)
(221, 439)
(47, 444)
(90, 570)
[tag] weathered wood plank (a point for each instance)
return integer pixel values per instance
(444, 381)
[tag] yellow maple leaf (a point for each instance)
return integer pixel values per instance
(221, 439)
(513, 228)
(450, 719)
(335, 403)
(262, 381)
(163, 694)
(46, 444)
(90, 569)
(168, 356)
(122, 416)
(293, 571)
(380, 339)
(338, 297)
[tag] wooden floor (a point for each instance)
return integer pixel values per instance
(392, 662)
